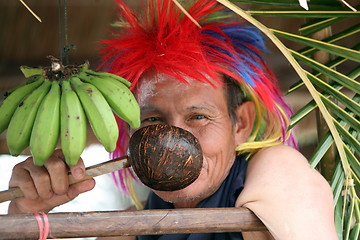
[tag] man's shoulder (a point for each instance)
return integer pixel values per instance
(283, 190)
(277, 159)
(279, 170)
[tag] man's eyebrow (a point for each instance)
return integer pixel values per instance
(153, 109)
(148, 108)
(201, 107)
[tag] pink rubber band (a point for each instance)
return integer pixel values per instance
(43, 223)
(40, 224)
(46, 225)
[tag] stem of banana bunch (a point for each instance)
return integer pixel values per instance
(60, 32)
(64, 50)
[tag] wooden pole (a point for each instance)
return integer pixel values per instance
(90, 172)
(144, 222)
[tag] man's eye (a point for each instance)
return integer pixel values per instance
(198, 117)
(151, 119)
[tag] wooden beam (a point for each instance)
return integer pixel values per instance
(144, 222)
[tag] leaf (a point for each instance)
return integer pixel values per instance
(352, 161)
(347, 53)
(337, 182)
(355, 124)
(324, 146)
(352, 74)
(309, 107)
(356, 182)
(327, 140)
(339, 96)
(318, 25)
(343, 12)
(331, 73)
(354, 235)
(292, 3)
(321, 149)
(338, 217)
(349, 217)
(302, 113)
(334, 38)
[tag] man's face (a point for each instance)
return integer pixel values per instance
(202, 110)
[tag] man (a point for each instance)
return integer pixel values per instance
(211, 81)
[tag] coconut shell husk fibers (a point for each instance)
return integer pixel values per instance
(164, 157)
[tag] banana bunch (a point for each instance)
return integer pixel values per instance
(56, 103)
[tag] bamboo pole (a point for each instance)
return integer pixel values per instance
(144, 222)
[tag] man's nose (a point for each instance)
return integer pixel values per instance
(178, 123)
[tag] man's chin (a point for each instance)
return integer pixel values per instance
(182, 195)
(172, 197)
(196, 191)
(187, 197)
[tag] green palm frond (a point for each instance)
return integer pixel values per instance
(318, 25)
(293, 3)
(343, 12)
(336, 95)
(332, 64)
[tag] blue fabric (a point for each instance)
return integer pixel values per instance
(225, 196)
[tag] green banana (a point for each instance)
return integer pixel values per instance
(46, 128)
(20, 126)
(72, 125)
(83, 66)
(30, 71)
(119, 97)
(99, 113)
(108, 75)
(8, 92)
(11, 102)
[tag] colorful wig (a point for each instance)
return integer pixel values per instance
(168, 41)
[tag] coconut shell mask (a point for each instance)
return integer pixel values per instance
(164, 157)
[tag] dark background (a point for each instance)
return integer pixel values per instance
(26, 41)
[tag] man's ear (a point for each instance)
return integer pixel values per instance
(245, 119)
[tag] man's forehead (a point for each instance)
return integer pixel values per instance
(152, 84)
